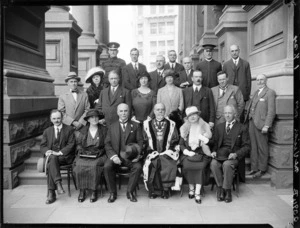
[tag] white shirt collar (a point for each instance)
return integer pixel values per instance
(116, 87)
(208, 60)
(231, 123)
(236, 60)
(195, 86)
(59, 127)
(160, 71)
(133, 64)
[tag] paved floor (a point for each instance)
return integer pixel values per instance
(257, 203)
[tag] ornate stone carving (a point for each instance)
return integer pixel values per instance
(282, 132)
(281, 156)
(217, 10)
(17, 131)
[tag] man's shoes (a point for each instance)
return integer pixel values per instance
(198, 198)
(220, 194)
(252, 172)
(81, 196)
(228, 197)
(165, 194)
(112, 197)
(131, 197)
(51, 197)
(152, 195)
(191, 193)
(59, 188)
(93, 196)
(259, 174)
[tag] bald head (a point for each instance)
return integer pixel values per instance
(160, 62)
(187, 63)
(261, 81)
(159, 111)
(123, 111)
(234, 51)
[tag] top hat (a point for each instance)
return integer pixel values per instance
(113, 45)
(72, 75)
(93, 71)
(93, 112)
(132, 151)
(208, 46)
(191, 110)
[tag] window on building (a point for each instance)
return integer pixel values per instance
(140, 52)
(152, 65)
(140, 45)
(161, 9)
(162, 43)
(162, 52)
(153, 47)
(170, 44)
(170, 9)
(140, 10)
(161, 28)
(153, 28)
(170, 27)
(140, 29)
(152, 9)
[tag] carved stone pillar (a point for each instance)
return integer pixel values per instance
(89, 49)
(28, 91)
(62, 34)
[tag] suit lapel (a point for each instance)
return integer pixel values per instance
(62, 134)
(263, 92)
(71, 99)
(189, 95)
(233, 66)
(116, 134)
(159, 78)
(51, 137)
(222, 135)
(234, 132)
(79, 97)
(201, 93)
(228, 93)
(133, 72)
(116, 94)
(127, 130)
(215, 92)
(239, 63)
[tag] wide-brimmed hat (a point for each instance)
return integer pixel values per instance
(144, 74)
(170, 72)
(93, 71)
(72, 75)
(93, 112)
(132, 151)
(113, 45)
(191, 110)
(208, 46)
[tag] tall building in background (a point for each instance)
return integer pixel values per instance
(155, 31)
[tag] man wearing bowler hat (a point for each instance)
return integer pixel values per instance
(209, 67)
(113, 63)
(120, 134)
(74, 104)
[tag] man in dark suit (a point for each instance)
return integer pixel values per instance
(113, 63)
(74, 104)
(231, 144)
(201, 97)
(132, 70)
(58, 145)
(209, 67)
(261, 114)
(185, 76)
(157, 76)
(172, 62)
(111, 97)
(121, 133)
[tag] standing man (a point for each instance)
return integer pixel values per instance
(261, 114)
(238, 71)
(185, 76)
(74, 104)
(226, 94)
(131, 71)
(172, 62)
(209, 67)
(201, 97)
(231, 145)
(58, 146)
(157, 78)
(111, 97)
(121, 133)
(113, 63)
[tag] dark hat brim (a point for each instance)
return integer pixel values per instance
(93, 113)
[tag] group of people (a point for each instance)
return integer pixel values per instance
(172, 123)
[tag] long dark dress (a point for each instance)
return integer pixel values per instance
(88, 170)
(142, 104)
(93, 93)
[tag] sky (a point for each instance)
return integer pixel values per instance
(121, 29)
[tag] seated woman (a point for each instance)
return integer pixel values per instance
(90, 159)
(195, 134)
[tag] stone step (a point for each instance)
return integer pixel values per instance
(35, 151)
(31, 163)
(262, 180)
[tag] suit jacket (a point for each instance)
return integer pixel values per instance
(209, 71)
(130, 76)
(183, 77)
(263, 107)
(243, 74)
(73, 110)
(109, 106)
(133, 134)
(66, 142)
(157, 81)
(232, 96)
(172, 102)
(207, 106)
(178, 67)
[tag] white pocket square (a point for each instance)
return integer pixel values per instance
(261, 99)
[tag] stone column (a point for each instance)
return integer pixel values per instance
(28, 89)
(89, 49)
(62, 34)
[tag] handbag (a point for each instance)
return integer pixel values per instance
(195, 158)
(90, 152)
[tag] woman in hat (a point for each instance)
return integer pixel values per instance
(195, 134)
(91, 156)
(143, 99)
(94, 76)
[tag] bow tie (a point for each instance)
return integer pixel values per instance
(123, 122)
(75, 91)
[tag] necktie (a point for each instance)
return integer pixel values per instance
(235, 62)
(228, 128)
(113, 90)
(123, 125)
(75, 91)
(222, 91)
(135, 67)
(159, 73)
(187, 73)
(57, 133)
(172, 66)
(196, 90)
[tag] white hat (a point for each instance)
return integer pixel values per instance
(92, 72)
(191, 110)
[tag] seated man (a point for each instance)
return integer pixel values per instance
(58, 145)
(231, 144)
(121, 133)
(160, 165)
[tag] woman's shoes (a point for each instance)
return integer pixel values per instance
(93, 196)
(191, 193)
(197, 198)
(81, 196)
